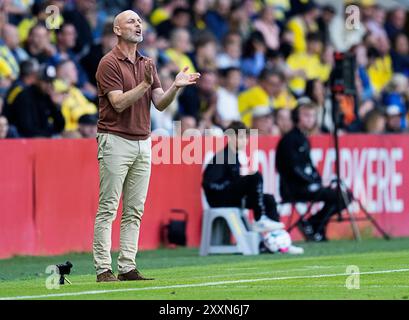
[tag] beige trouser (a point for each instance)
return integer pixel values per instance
(124, 167)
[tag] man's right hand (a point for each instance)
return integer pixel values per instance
(148, 72)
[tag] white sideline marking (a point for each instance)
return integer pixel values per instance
(193, 285)
(222, 275)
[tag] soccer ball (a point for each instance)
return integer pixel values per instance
(277, 241)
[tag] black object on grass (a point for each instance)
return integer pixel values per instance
(64, 269)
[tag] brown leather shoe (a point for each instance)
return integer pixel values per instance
(106, 276)
(132, 275)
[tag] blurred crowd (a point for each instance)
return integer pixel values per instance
(256, 58)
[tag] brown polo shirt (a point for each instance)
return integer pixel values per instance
(116, 72)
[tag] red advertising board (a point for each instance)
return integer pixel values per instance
(49, 188)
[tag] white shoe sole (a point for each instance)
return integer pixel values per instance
(296, 251)
(279, 226)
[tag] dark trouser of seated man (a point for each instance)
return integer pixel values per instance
(249, 188)
(299, 179)
(315, 227)
(225, 187)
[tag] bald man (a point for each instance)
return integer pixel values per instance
(127, 83)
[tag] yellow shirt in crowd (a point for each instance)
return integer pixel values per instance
(159, 15)
(312, 66)
(280, 6)
(5, 70)
(74, 105)
(9, 65)
(257, 96)
(180, 59)
(297, 27)
(26, 24)
(380, 72)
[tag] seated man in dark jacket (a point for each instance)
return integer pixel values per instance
(299, 179)
(225, 187)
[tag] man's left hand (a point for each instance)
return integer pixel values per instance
(184, 79)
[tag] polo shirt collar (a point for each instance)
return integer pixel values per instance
(121, 56)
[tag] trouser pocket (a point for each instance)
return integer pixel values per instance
(103, 140)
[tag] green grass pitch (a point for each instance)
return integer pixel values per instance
(321, 273)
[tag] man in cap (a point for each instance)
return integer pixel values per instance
(87, 125)
(393, 119)
(36, 111)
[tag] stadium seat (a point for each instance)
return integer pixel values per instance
(219, 224)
